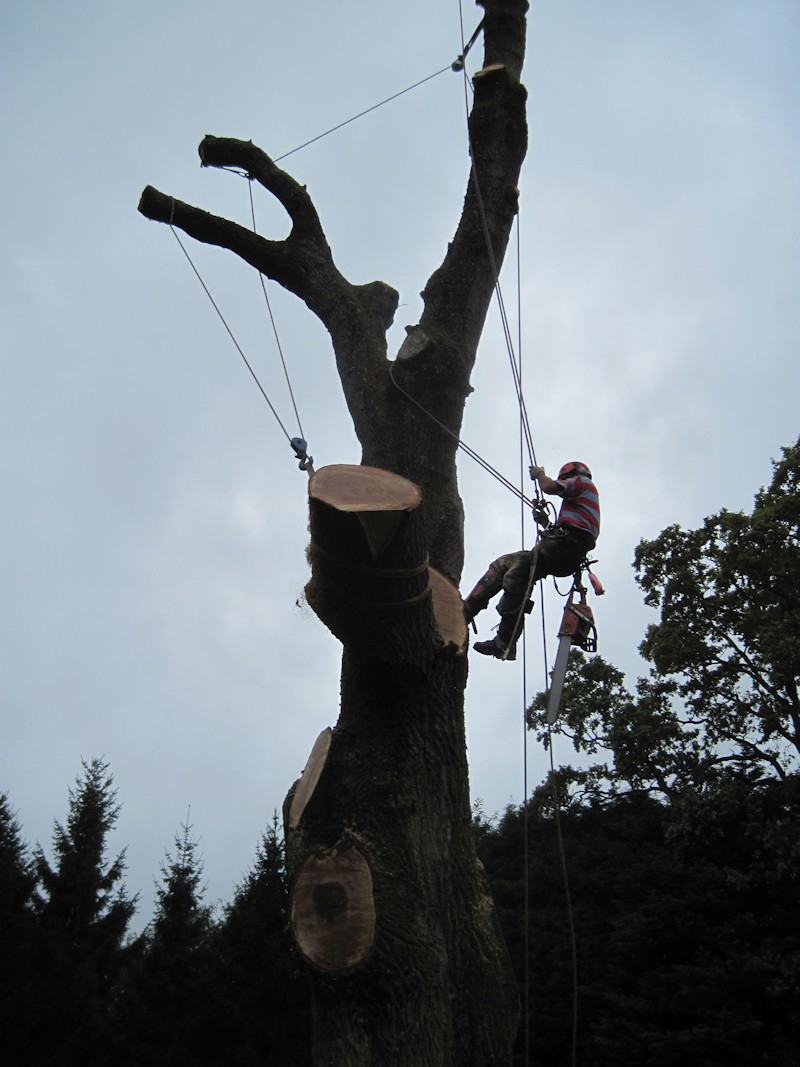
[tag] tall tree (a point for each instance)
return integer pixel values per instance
(163, 1004)
(685, 919)
(390, 904)
(17, 935)
(729, 633)
(262, 992)
(84, 912)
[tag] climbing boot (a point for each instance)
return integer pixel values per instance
(497, 648)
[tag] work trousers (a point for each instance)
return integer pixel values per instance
(560, 552)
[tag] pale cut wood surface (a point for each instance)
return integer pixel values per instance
(333, 909)
(348, 487)
(310, 777)
(448, 610)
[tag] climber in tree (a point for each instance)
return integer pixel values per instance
(560, 551)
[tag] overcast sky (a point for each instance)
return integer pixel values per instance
(154, 519)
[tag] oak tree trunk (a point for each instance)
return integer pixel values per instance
(389, 905)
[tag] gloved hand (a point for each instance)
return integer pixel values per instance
(541, 514)
(536, 471)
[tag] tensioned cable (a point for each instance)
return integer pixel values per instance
(461, 444)
(456, 66)
(272, 320)
(230, 334)
(361, 114)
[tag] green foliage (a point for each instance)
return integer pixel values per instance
(729, 634)
(17, 931)
(83, 916)
(685, 922)
(182, 922)
(264, 1002)
(83, 891)
(162, 1005)
(191, 990)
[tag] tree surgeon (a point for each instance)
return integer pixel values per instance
(560, 551)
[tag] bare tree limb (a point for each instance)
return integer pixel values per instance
(227, 152)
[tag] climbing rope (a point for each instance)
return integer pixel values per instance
(513, 361)
(512, 488)
(570, 913)
(526, 440)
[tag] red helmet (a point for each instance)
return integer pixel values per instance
(572, 469)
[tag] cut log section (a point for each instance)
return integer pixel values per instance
(309, 778)
(378, 498)
(448, 610)
(370, 581)
(333, 909)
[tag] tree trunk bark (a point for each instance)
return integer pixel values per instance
(404, 943)
(389, 907)
(436, 988)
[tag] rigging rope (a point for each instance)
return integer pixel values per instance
(457, 65)
(272, 320)
(525, 848)
(230, 333)
(461, 444)
(515, 373)
(361, 114)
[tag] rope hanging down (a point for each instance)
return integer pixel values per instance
(525, 432)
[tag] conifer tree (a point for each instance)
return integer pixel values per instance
(164, 1005)
(84, 913)
(263, 992)
(17, 933)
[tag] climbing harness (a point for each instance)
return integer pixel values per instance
(543, 513)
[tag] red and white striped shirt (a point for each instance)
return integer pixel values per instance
(581, 505)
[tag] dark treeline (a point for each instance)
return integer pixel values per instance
(685, 917)
(662, 879)
(195, 988)
(685, 920)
